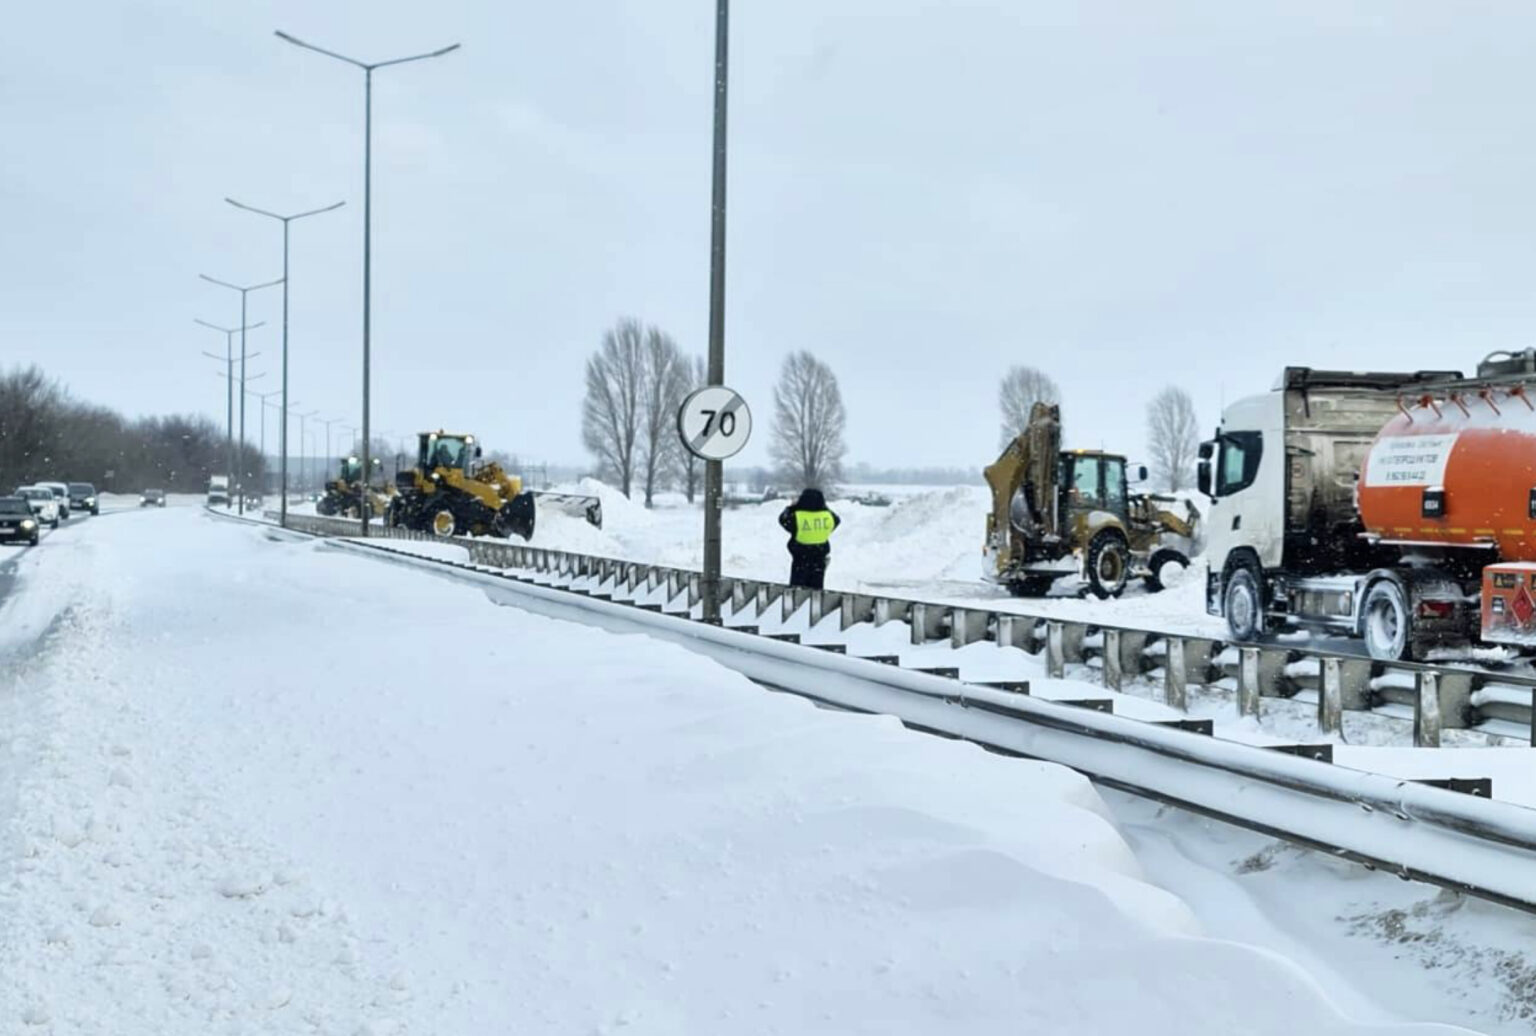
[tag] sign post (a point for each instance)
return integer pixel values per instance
(714, 423)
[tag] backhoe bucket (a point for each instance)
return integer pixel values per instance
(516, 516)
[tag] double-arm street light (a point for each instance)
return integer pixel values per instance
(283, 460)
(367, 201)
(244, 291)
(229, 363)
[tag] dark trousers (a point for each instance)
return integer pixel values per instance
(808, 565)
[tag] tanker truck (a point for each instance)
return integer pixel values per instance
(1399, 508)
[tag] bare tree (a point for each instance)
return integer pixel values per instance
(808, 422)
(1020, 390)
(663, 380)
(689, 469)
(612, 411)
(1173, 437)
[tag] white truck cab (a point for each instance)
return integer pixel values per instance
(1284, 538)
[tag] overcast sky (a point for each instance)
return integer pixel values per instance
(1124, 194)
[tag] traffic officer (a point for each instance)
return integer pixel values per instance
(809, 523)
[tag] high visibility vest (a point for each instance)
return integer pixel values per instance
(813, 527)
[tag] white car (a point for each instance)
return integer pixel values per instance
(43, 503)
(60, 491)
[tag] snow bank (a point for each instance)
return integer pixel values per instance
(219, 818)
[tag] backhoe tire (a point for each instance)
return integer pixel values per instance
(443, 523)
(1109, 563)
(1160, 560)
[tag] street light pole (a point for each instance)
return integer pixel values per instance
(713, 469)
(264, 396)
(367, 205)
(303, 467)
(229, 408)
(243, 293)
(334, 420)
(282, 518)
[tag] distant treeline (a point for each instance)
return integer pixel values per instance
(867, 474)
(47, 435)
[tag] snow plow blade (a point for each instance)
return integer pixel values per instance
(516, 516)
(575, 505)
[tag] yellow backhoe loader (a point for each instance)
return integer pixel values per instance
(1061, 512)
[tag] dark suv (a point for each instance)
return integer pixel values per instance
(82, 497)
(17, 521)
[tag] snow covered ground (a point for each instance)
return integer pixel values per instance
(252, 785)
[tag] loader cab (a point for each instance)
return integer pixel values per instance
(351, 469)
(445, 450)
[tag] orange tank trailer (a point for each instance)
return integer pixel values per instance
(1458, 470)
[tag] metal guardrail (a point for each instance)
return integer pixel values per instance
(1440, 697)
(1416, 830)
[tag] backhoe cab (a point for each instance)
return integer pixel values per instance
(1058, 512)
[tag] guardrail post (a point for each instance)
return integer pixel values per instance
(1063, 644)
(967, 626)
(823, 603)
(1016, 631)
(793, 598)
(1176, 674)
(1456, 700)
(695, 589)
(1330, 697)
(1248, 688)
(767, 594)
(856, 608)
(1426, 709)
(1114, 670)
(890, 609)
(927, 621)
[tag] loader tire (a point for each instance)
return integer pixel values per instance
(1161, 559)
(443, 523)
(1109, 564)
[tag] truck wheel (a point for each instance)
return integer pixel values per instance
(1385, 622)
(1109, 564)
(1160, 560)
(1242, 603)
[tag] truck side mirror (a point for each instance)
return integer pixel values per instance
(1203, 471)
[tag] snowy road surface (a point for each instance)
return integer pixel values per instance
(250, 786)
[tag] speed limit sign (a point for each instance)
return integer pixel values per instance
(714, 423)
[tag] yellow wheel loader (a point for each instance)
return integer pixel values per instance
(344, 494)
(1061, 512)
(451, 492)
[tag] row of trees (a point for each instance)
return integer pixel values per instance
(47, 435)
(1173, 434)
(638, 378)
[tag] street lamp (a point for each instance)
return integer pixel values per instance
(229, 360)
(243, 293)
(282, 518)
(303, 467)
(367, 200)
(264, 396)
(328, 423)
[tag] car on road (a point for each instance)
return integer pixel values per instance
(152, 498)
(82, 496)
(43, 504)
(17, 521)
(60, 493)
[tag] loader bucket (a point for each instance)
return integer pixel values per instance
(516, 516)
(576, 505)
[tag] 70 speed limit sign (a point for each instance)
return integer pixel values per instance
(714, 423)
